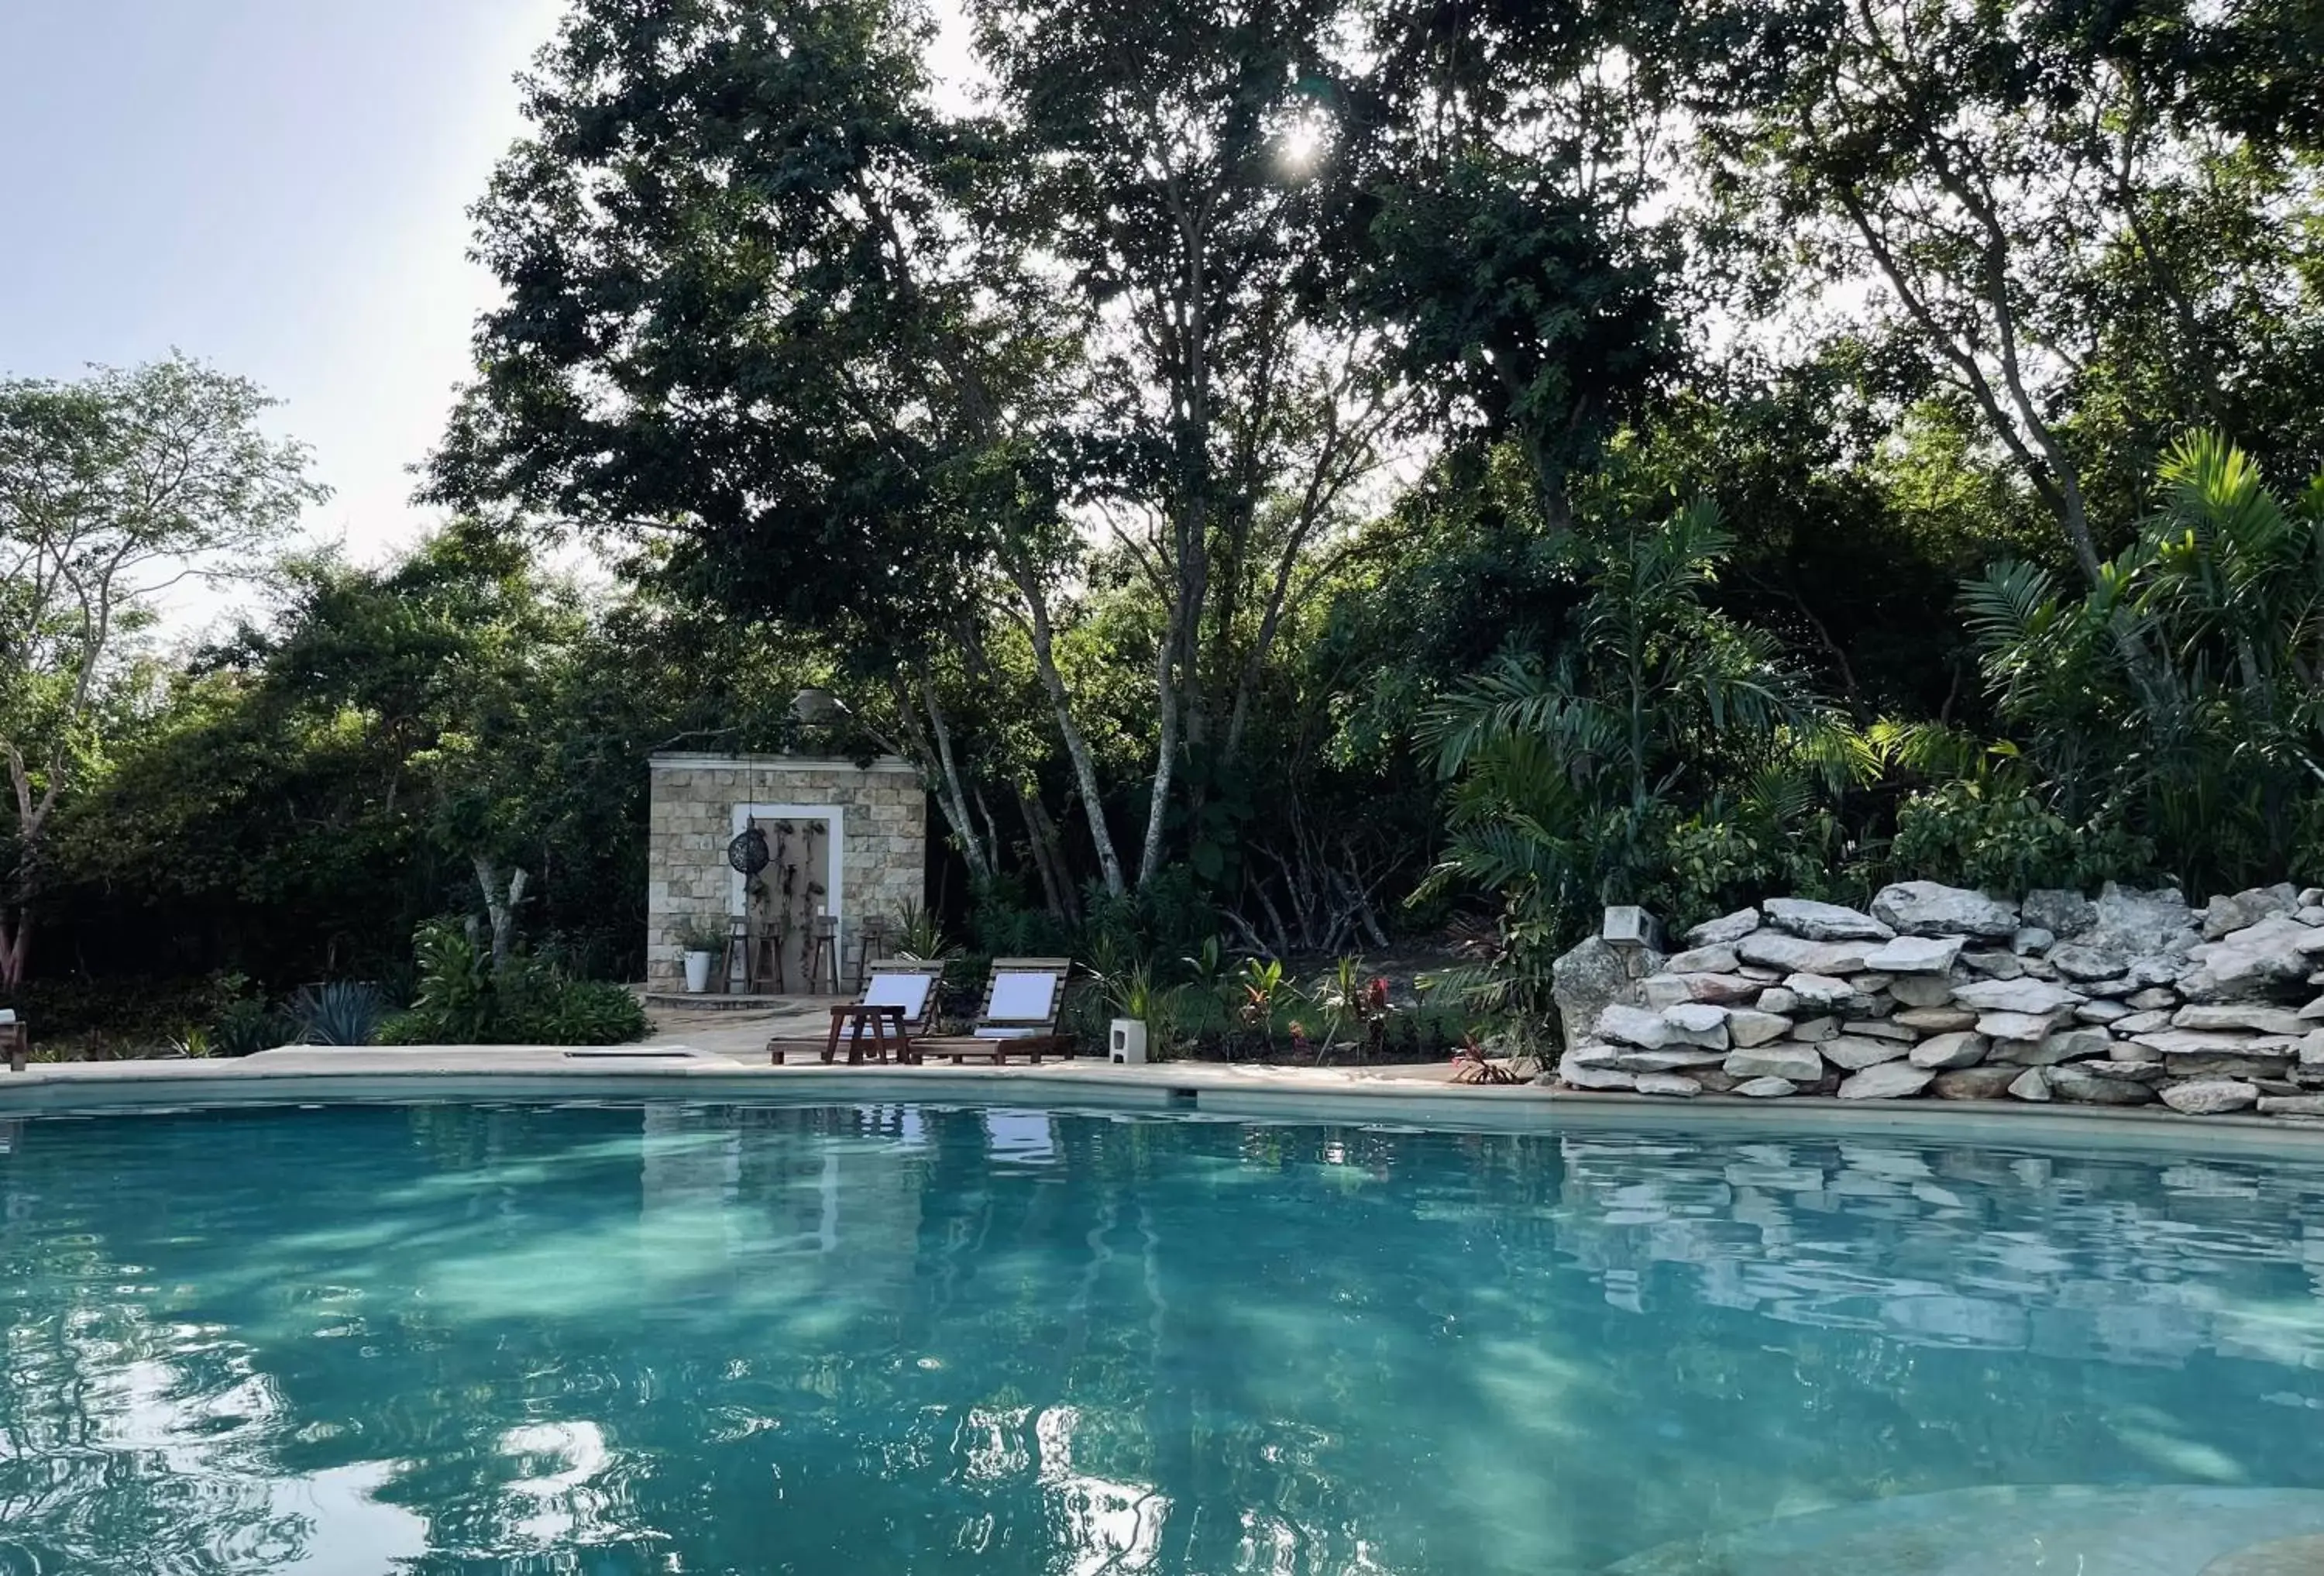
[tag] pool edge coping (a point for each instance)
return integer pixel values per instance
(1212, 1091)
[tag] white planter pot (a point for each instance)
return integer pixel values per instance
(697, 972)
(1126, 1042)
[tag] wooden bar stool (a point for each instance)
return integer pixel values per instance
(823, 954)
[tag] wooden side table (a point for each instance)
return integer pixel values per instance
(887, 1026)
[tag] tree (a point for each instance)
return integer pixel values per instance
(113, 489)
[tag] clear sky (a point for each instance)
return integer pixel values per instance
(277, 187)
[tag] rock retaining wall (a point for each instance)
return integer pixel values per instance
(2130, 999)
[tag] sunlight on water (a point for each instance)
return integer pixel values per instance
(504, 1340)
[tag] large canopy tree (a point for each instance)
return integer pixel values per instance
(113, 489)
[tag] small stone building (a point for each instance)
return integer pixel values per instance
(846, 840)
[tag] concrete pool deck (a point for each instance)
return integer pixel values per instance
(1420, 1095)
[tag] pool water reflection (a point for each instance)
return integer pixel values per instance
(481, 1339)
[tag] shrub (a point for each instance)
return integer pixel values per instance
(1998, 835)
(339, 1013)
(528, 1000)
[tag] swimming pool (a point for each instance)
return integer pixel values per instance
(673, 1338)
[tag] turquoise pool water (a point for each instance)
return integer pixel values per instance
(469, 1339)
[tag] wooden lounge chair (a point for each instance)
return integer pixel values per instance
(1021, 1003)
(904, 988)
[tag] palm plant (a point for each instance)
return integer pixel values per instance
(2181, 697)
(1661, 754)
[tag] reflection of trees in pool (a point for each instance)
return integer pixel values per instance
(879, 1337)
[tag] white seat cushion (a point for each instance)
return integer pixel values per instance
(1023, 997)
(909, 991)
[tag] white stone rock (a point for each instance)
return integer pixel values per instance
(2102, 1011)
(1815, 1030)
(2074, 1082)
(1775, 1000)
(1950, 1050)
(2224, 915)
(1725, 930)
(1775, 949)
(2291, 1105)
(1669, 990)
(2141, 1023)
(2134, 1071)
(2191, 1042)
(1702, 959)
(2252, 963)
(1670, 1083)
(2211, 1096)
(1993, 963)
(1796, 1064)
(1937, 1019)
(2032, 938)
(1887, 1081)
(1803, 917)
(1660, 990)
(2310, 1048)
(2262, 1019)
(1878, 1028)
(2313, 915)
(1635, 1026)
(2154, 998)
(1585, 981)
(2128, 920)
(1675, 1059)
(1746, 1026)
(1820, 993)
(1766, 1088)
(2313, 1011)
(1583, 1076)
(2058, 911)
(1914, 954)
(2087, 962)
(1922, 989)
(2311, 896)
(1851, 1052)
(1931, 908)
(2051, 1048)
(1698, 1023)
(2031, 996)
(2034, 1085)
(2021, 1027)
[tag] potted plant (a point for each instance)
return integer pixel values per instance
(704, 944)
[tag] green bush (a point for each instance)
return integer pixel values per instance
(529, 1000)
(1997, 836)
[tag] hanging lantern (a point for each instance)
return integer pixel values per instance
(748, 852)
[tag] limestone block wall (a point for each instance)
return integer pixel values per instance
(699, 802)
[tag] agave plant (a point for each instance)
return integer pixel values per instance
(339, 1012)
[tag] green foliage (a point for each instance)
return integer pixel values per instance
(1664, 755)
(1997, 836)
(337, 1013)
(2180, 699)
(464, 1000)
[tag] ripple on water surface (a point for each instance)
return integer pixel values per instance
(493, 1340)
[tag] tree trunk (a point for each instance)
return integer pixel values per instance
(501, 905)
(1044, 659)
(953, 797)
(1048, 859)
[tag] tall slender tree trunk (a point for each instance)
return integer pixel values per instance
(952, 795)
(500, 904)
(1045, 660)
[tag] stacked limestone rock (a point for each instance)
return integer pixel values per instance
(1938, 991)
